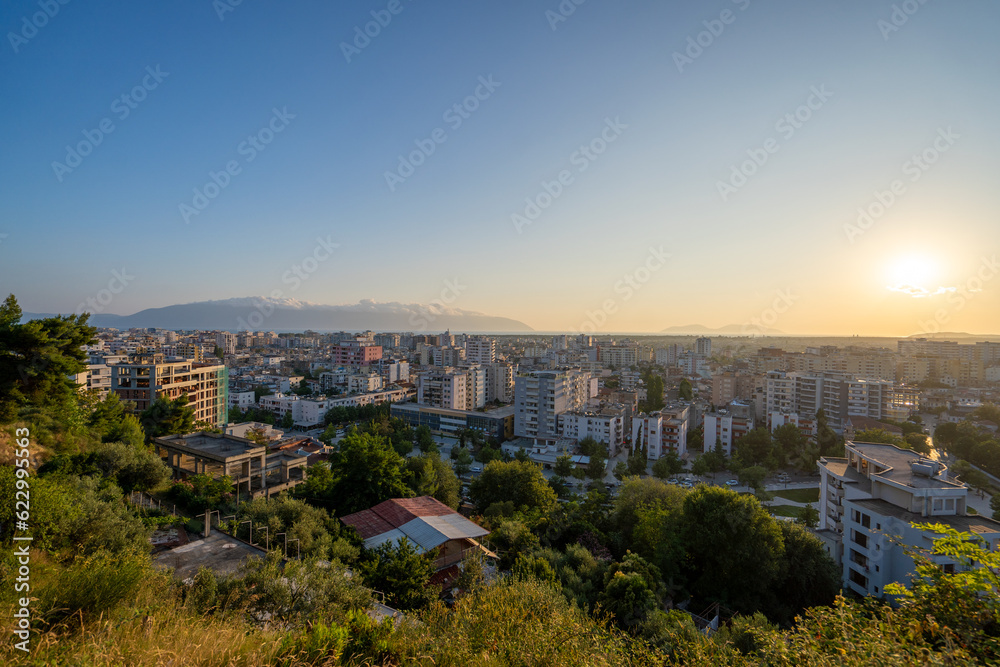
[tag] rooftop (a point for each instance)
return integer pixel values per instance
(423, 521)
(897, 463)
(212, 445)
(218, 552)
(974, 523)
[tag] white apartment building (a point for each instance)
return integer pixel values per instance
(541, 396)
(607, 427)
(839, 395)
(241, 400)
(669, 355)
(703, 346)
(363, 384)
(870, 498)
(500, 382)
(662, 432)
(480, 350)
(726, 428)
(442, 389)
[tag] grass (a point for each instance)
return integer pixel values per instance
(798, 495)
(786, 510)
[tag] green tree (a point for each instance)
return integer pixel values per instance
(516, 481)
(809, 517)
(789, 443)
(685, 392)
(753, 477)
(463, 460)
(401, 572)
(168, 417)
(830, 444)
(918, 443)
(878, 436)
(755, 448)
(564, 465)
(431, 476)
(287, 421)
(364, 472)
(597, 467)
(38, 358)
(667, 465)
(621, 471)
(727, 535)
(425, 439)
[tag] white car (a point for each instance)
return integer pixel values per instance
(476, 468)
(732, 482)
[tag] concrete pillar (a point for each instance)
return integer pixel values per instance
(263, 471)
(208, 524)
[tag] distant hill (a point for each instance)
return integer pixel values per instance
(728, 330)
(267, 314)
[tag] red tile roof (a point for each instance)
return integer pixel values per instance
(394, 513)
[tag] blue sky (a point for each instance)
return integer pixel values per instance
(887, 95)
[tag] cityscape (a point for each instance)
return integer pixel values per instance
(561, 333)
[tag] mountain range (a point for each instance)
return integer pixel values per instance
(283, 314)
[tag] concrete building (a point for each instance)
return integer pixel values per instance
(443, 389)
(607, 426)
(726, 428)
(662, 432)
(241, 400)
(619, 356)
(497, 423)
(145, 378)
(868, 503)
(732, 386)
(253, 468)
(481, 350)
(839, 395)
(541, 396)
(703, 346)
(358, 352)
(500, 382)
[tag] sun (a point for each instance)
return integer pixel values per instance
(912, 270)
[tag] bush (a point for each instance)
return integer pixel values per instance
(93, 585)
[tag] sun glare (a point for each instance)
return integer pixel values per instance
(913, 270)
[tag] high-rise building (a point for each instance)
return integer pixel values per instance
(872, 502)
(146, 378)
(541, 396)
(703, 346)
(480, 350)
(356, 353)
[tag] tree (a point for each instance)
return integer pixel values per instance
(564, 465)
(166, 416)
(591, 447)
(516, 481)
(463, 460)
(259, 391)
(128, 430)
(685, 392)
(430, 476)
(363, 473)
(287, 421)
(789, 443)
(668, 465)
(597, 467)
(830, 444)
(918, 443)
(38, 358)
(401, 572)
(809, 517)
(754, 448)
(753, 477)
(808, 576)
(621, 471)
(425, 439)
(726, 536)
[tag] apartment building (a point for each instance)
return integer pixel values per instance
(703, 346)
(480, 350)
(839, 395)
(541, 396)
(443, 389)
(145, 378)
(357, 352)
(662, 432)
(500, 382)
(868, 503)
(619, 356)
(607, 426)
(731, 386)
(726, 428)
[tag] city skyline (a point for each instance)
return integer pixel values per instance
(821, 169)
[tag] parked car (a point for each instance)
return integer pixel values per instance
(476, 468)
(732, 482)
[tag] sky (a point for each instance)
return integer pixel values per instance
(824, 167)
